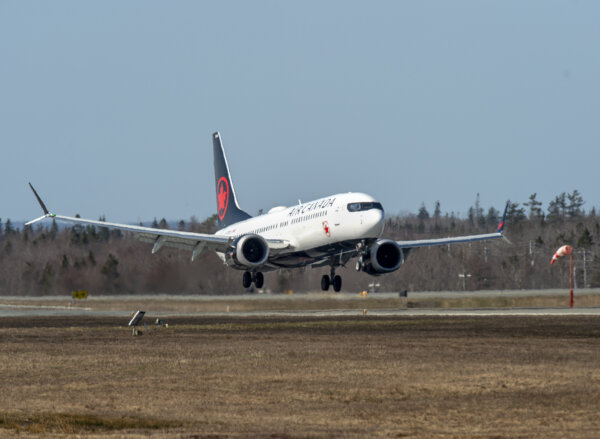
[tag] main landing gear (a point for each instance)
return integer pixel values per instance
(256, 277)
(333, 279)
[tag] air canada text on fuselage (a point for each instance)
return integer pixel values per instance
(309, 207)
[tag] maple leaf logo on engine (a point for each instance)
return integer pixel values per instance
(222, 197)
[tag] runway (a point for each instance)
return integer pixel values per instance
(547, 303)
(12, 312)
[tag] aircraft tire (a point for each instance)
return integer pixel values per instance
(337, 283)
(247, 279)
(325, 282)
(259, 280)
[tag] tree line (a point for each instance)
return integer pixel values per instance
(47, 259)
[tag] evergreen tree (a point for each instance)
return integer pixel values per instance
(65, 263)
(109, 269)
(585, 240)
(493, 216)
(423, 213)
(515, 214)
(595, 277)
(471, 216)
(437, 212)
(575, 204)
(209, 225)
(539, 241)
(85, 237)
(76, 232)
(8, 228)
(53, 229)
(478, 211)
(535, 211)
(91, 258)
(104, 232)
(91, 232)
(46, 278)
(28, 272)
(557, 207)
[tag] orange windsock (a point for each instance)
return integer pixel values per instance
(563, 251)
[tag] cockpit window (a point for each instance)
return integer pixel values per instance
(357, 207)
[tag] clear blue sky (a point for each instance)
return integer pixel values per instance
(108, 107)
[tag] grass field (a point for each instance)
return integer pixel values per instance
(203, 377)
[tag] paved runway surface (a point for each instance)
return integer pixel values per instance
(61, 305)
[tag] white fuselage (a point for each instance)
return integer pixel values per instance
(316, 224)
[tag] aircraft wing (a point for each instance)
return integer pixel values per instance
(451, 240)
(499, 233)
(194, 242)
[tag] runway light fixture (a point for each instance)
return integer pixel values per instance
(464, 275)
(373, 287)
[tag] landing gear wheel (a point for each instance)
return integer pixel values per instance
(247, 279)
(358, 266)
(259, 280)
(325, 282)
(337, 283)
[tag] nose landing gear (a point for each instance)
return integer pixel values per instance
(359, 264)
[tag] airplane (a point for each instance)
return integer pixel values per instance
(327, 232)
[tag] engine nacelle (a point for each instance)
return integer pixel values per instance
(384, 256)
(248, 251)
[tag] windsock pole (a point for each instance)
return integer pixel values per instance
(571, 279)
(563, 251)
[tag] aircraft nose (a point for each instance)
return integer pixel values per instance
(373, 220)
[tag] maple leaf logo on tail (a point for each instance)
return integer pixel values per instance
(222, 197)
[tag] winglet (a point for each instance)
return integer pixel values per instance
(47, 214)
(39, 200)
(500, 228)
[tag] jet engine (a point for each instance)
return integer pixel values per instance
(384, 256)
(248, 251)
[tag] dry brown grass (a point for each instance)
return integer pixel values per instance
(457, 377)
